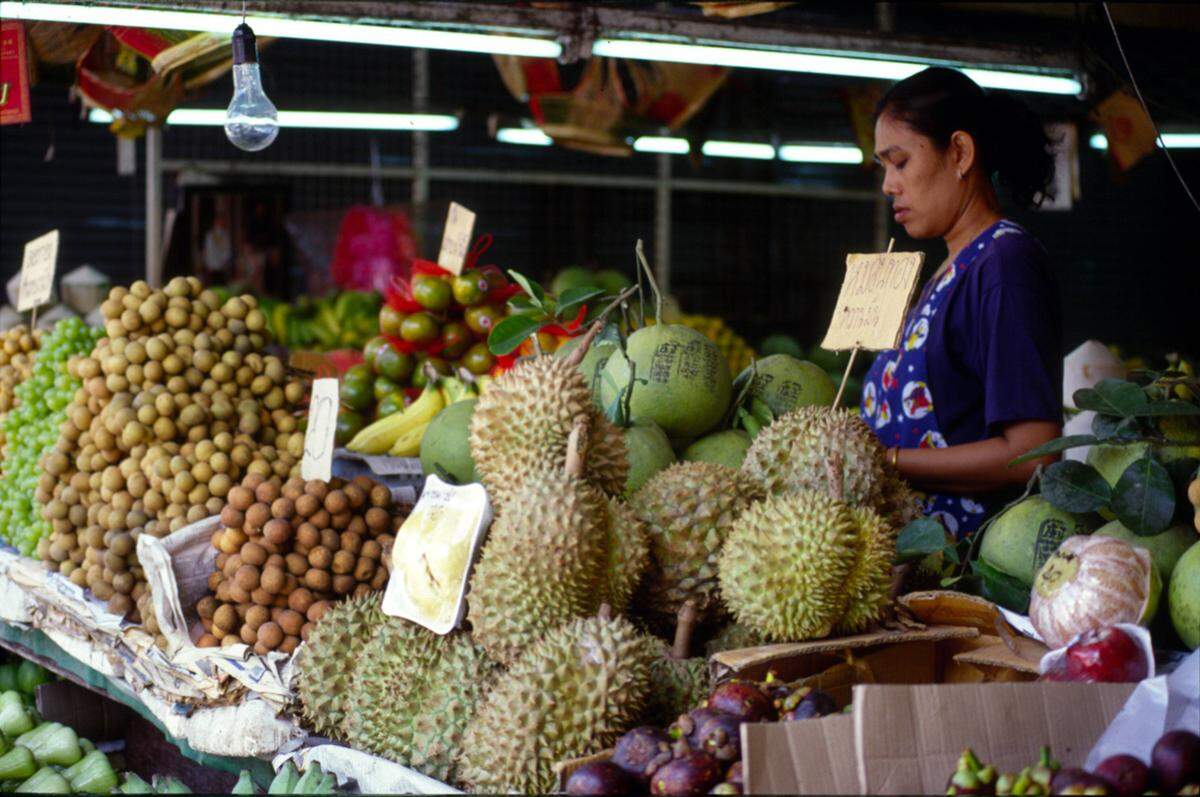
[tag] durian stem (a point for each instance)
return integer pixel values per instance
(604, 612)
(834, 469)
(537, 345)
(658, 299)
(685, 623)
(577, 446)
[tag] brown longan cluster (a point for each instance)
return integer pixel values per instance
(286, 551)
(177, 405)
(17, 347)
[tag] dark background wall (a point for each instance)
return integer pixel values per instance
(1126, 255)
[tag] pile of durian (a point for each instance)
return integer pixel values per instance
(577, 588)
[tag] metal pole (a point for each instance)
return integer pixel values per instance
(420, 145)
(662, 224)
(154, 207)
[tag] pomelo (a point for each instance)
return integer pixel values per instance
(611, 280)
(649, 452)
(573, 277)
(780, 344)
(726, 448)
(679, 380)
(446, 448)
(1021, 539)
(1165, 547)
(1183, 597)
(593, 362)
(786, 383)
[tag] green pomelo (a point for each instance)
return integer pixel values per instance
(649, 452)
(1112, 460)
(1154, 595)
(680, 380)
(1183, 597)
(612, 281)
(1165, 547)
(786, 383)
(574, 277)
(780, 344)
(446, 446)
(592, 365)
(1020, 541)
(726, 448)
(834, 362)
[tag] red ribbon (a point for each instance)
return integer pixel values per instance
(571, 328)
(433, 347)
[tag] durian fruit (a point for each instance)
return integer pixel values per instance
(628, 554)
(324, 674)
(524, 420)
(544, 563)
(786, 562)
(734, 636)
(570, 694)
(680, 682)
(868, 589)
(688, 509)
(414, 693)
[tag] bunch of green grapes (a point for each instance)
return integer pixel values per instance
(32, 428)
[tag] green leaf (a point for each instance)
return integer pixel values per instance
(1001, 588)
(950, 581)
(1144, 498)
(1111, 397)
(573, 298)
(511, 333)
(920, 538)
(1055, 446)
(1111, 428)
(530, 287)
(520, 303)
(1168, 407)
(1075, 487)
(951, 553)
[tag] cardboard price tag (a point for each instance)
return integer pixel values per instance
(37, 271)
(873, 301)
(456, 238)
(317, 462)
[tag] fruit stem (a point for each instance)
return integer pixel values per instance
(658, 300)
(605, 611)
(684, 625)
(834, 469)
(577, 446)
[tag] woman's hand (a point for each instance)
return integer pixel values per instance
(979, 467)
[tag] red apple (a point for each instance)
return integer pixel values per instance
(1107, 655)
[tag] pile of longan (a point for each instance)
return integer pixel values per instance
(287, 551)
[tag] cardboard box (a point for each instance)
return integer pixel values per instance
(907, 739)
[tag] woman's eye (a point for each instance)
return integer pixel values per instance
(900, 165)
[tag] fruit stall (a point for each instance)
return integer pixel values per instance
(398, 513)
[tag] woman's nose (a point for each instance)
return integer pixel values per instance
(891, 185)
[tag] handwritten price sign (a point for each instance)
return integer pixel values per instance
(317, 462)
(37, 271)
(874, 298)
(456, 238)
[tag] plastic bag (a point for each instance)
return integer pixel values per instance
(375, 247)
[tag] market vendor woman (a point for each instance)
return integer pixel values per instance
(977, 380)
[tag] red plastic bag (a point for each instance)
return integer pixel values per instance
(375, 246)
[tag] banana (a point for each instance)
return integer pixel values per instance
(408, 444)
(454, 389)
(382, 435)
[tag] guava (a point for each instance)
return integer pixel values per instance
(726, 448)
(1021, 539)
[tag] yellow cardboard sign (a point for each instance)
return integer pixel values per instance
(37, 271)
(317, 462)
(873, 301)
(456, 238)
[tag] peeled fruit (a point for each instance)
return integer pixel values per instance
(649, 452)
(726, 448)
(446, 446)
(599, 778)
(1091, 583)
(687, 387)
(1107, 655)
(1165, 547)
(786, 383)
(1021, 539)
(1183, 597)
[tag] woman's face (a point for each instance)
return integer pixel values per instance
(921, 180)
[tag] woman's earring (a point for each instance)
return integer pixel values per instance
(960, 175)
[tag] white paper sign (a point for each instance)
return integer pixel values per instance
(322, 428)
(873, 301)
(37, 271)
(456, 238)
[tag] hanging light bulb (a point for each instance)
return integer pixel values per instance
(251, 122)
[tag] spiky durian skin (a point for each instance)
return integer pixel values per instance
(570, 694)
(688, 509)
(323, 676)
(679, 685)
(524, 420)
(628, 554)
(544, 563)
(414, 693)
(868, 588)
(784, 567)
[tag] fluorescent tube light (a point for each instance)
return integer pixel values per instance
(668, 145)
(820, 153)
(279, 27)
(328, 120)
(1171, 140)
(738, 149)
(848, 66)
(523, 135)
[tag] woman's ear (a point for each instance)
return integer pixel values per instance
(962, 151)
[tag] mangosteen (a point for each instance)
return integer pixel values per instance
(742, 699)
(1073, 780)
(734, 775)
(806, 703)
(641, 751)
(718, 734)
(1176, 760)
(692, 774)
(600, 778)
(1127, 775)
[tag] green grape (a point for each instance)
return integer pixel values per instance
(32, 429)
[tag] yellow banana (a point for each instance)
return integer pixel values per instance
(382, 435)
(408, 444)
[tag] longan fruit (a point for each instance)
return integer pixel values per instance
(305, 630)
(231, 565)
(267, 492)
(279, 602)
(248, 634)
(283, 507)
(355, 495)
(363, 482)
(350, 542)
(364, 569)
(273, 580)
(377, 519)
(261, 597)
(293, 488)
(361, 591)
(289, 644)
(380, 579)
(237, 594)
(343, 562)
(222, 592)
(371, 550)
(232, 541)
(253, 554)
(256, 616)
(220, 561)
(277, 531)
(320, 519)
(240, 497)
(336, 502)
(317, 610)
(247, 577)
(276, 560)
(270, 635)
(317, 580)
(232, 517)
(344, 584)
(381, 496)
(320, 557)
(307, 505)
(225, 618)
(253, 480)
(308, 536)
(257, 516)
(341, 521)
(331, 539)
(300, 599)
(206, 606)
(297, 564)
(214, 580)
(317, 489)
(358, 526)
(290, 621)
(207, 641)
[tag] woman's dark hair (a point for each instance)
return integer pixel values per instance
(1009, 138)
